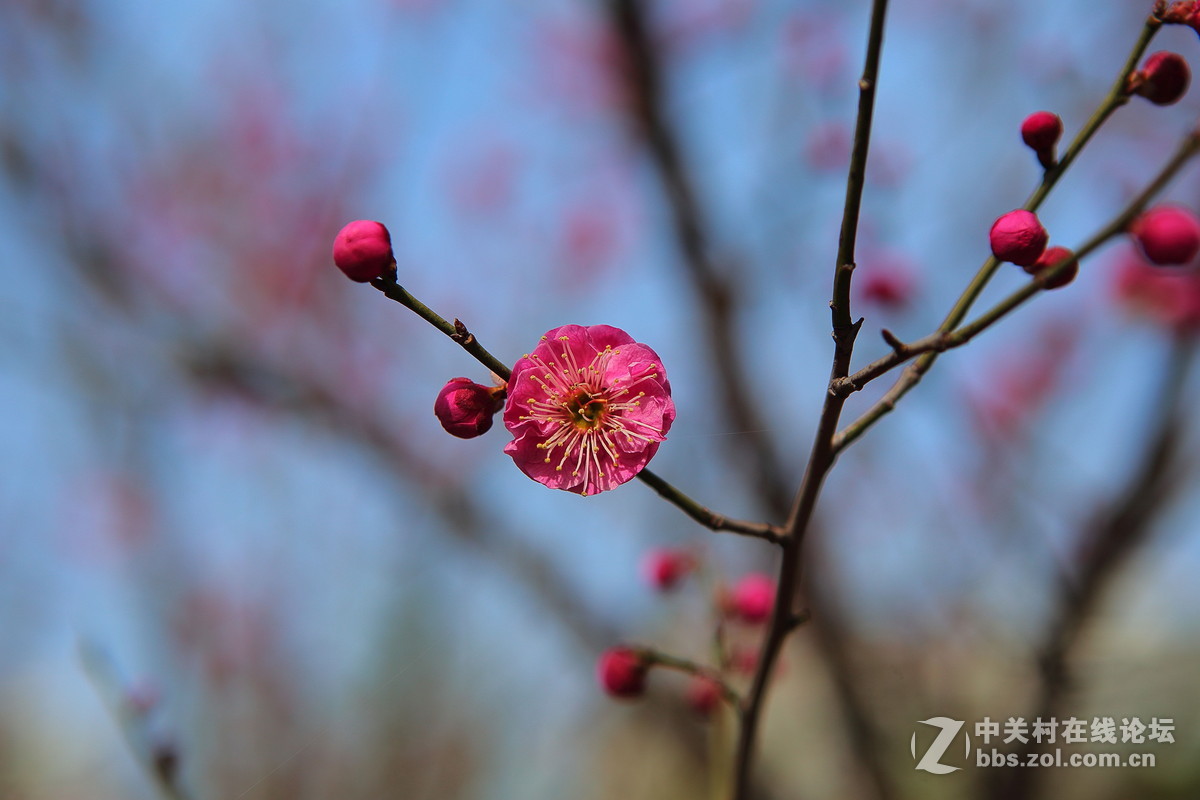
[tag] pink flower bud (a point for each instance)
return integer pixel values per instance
(1041, 131)
(703, 694)
(1167, 235)
(1050, 258)
(752, 598)
(1018, 237)
(664, 568)
(1163, 78)
(622, 672)
(465, 408)
(363, 250)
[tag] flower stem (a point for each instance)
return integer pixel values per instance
(456, 330)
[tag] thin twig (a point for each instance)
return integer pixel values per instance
(822, 455)
(940, 341)
(707, 517)
(658, 658)
(1117, 96)
(456, 330)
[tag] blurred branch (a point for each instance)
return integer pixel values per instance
(718, 296)
(273, 386)
(831, 635)
(657, 658)
(1107, 544)
(160, 759)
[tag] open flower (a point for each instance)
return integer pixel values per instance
(587, 409)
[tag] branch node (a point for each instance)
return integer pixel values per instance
(799, 618)
(898, 346)
(461, 334)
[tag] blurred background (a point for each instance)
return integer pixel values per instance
(240, 559)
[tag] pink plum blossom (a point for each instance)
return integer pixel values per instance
(587, 409)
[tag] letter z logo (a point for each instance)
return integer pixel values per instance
(930, 761)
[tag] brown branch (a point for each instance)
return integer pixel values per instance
(707, 517)
(822, 454)
(457, 331)
(940, 341)
(1117, 96)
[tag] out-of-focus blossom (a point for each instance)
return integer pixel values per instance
(665, 568)
(827, 148)
(752, 598)
(1167, 235)
(1170, 297)
(703, 694)
(885, 280)
(621, 672)
(1018, 386)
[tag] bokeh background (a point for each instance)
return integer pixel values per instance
(237, 551)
